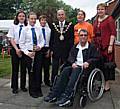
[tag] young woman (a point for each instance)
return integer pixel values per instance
(20, 21)
(82, 24)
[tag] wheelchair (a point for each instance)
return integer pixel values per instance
(88, 86)
(91, 87)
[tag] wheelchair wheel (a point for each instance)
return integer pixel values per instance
(95, 85)
(82, 102)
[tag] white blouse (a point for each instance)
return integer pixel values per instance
(47, 34)
(26, 41)
(13, 32)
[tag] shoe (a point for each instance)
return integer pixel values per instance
(40, 94)
(106, 90)
(48, 84)
(34, 95)
(15, 91)
(64, 102)
(24, 89)
(50, 98)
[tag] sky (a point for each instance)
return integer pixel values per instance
(89, 6)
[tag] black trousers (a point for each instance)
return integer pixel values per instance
(56, 62)
(16, 63)
(35, 75)
(45, 65)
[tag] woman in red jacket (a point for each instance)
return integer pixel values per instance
(105, 32)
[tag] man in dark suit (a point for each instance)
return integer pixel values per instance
(62, 40)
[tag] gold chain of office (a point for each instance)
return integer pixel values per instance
(68, 26)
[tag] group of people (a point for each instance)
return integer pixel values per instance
(80, 46)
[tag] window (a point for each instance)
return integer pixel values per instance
(118, 30)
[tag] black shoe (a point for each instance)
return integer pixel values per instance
(34, 95)
(48, 84)
(106, 90)
(40, 94)
(50, 98)
(15, 91)
(24, 89)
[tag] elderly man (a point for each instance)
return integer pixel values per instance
(80, 57)
(62, 40)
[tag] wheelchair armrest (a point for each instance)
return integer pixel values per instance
(63, 66)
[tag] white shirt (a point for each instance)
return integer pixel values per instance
(13, 32)
(63, 23)
(79, 60)
(47, 34)
(26, 41)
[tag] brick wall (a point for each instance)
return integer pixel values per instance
(117, 55)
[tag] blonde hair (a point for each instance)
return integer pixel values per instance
(102, 5)
(42, 17)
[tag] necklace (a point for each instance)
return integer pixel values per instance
(61, 31)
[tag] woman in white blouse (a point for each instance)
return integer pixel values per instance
(14, 33)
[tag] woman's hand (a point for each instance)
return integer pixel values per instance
(74, 65)
(18, 52)
(31, 54)
(110, 49)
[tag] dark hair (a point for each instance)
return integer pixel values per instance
(82, 12)
(83, 30)
(16, 21)
(42, 17)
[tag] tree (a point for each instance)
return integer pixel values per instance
(7, 9)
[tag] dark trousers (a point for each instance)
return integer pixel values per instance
(56, 62)
(35, 75)
(16, 62)
(45, 65)
(28, 64)
(37, 72)
(66, 82)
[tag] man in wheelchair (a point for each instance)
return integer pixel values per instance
(81, 56)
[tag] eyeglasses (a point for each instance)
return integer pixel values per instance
(83, 35)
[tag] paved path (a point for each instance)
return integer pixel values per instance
(110, 100)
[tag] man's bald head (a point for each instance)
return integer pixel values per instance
(61, 15)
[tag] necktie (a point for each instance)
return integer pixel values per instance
(43, 31)
(34, 37)
(20, 29)
(61, 24)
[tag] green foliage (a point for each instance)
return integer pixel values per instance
(7, 9)
(48, 7)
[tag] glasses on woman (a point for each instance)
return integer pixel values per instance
(83, 35)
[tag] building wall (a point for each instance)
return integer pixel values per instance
(111, 6)
(117, 55)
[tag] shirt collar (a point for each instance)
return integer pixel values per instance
(85, 47)
(62, 22)
(21, 24)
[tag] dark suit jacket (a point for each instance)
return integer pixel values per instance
(59, 47)
(90, 55)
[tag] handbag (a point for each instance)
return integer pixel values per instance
(110, 65)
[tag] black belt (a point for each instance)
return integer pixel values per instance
(30, 50)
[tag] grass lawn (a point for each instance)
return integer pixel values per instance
(5, 66)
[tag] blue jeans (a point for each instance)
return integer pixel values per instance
(66, 82)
